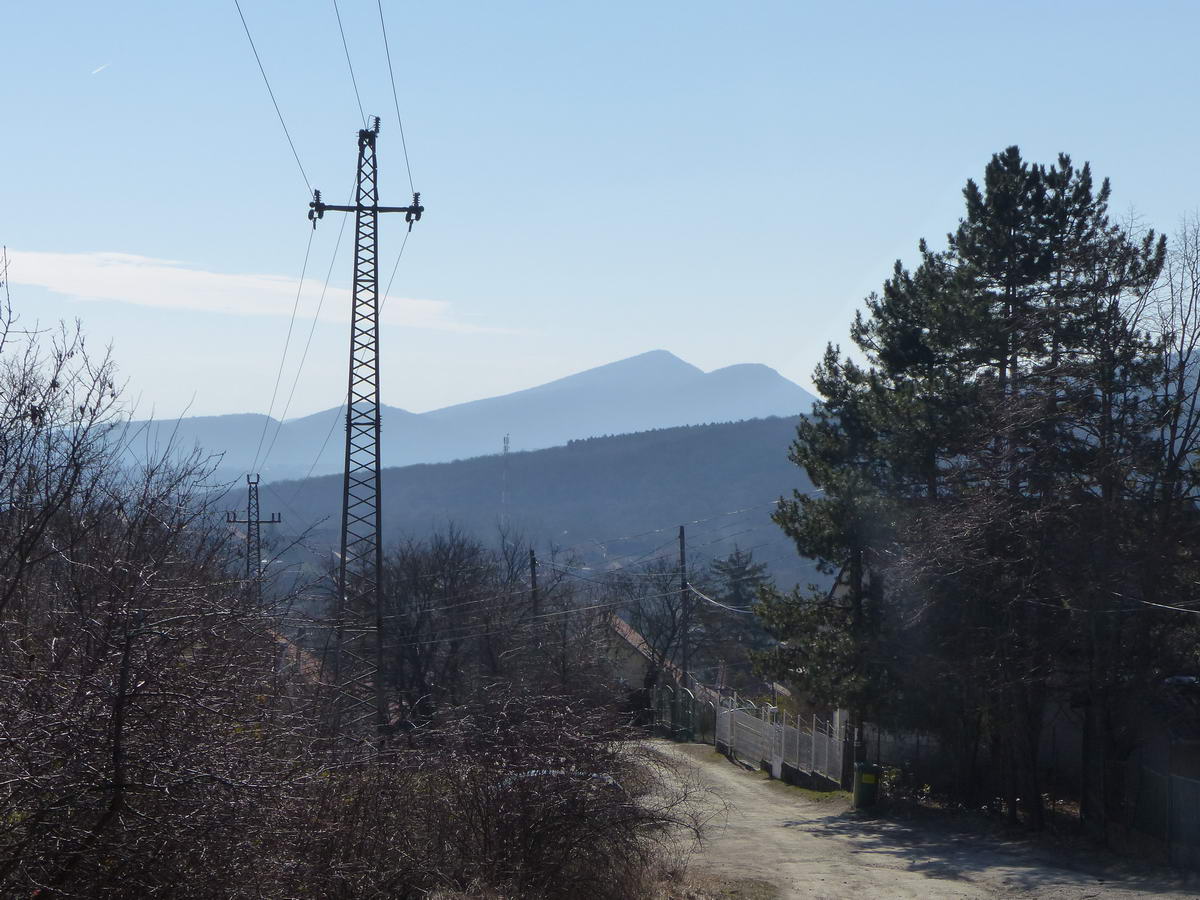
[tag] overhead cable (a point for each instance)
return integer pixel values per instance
(286, 344)
(274, 102)
(350, 65)
(395, 98)
(703, 596)
(308, 343)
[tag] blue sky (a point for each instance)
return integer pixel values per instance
(723, 180)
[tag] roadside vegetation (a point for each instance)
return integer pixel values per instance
(162, 735)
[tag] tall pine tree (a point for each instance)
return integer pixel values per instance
(978, 474)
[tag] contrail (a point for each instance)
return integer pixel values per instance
(101, 69)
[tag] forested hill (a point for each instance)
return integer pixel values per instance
(608, 499)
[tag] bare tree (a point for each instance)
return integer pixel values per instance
(160, 737)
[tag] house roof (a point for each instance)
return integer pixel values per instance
(640, 645)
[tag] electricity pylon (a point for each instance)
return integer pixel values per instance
(360, 561)
(253, 538)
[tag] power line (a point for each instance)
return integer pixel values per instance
(702, 596)
(388, 290)
(644, 557)
(720, 539)
(325, 443)
(530, 620)
(346, 47)
(591, 579)
(274, 102)
(342, 408)
(395, 97)
(528, 624)
(608, 604)
(308, 343)
(417, 610)
(1195, 612)
(630, 537)
(507, 595)
(286, 344)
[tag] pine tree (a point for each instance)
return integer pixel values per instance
(978, 473)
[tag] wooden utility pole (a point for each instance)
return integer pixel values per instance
(685, 601)
(533, 587)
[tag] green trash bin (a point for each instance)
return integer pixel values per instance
(866, 784)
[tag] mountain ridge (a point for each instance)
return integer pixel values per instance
(650, 390)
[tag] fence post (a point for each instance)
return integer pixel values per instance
(1170, 769)
(813, 748)
(797, 742)
(1170, 849)
(779, 737)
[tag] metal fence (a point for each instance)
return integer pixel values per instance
(764, 736)
(772, 738)
(1164, 807)
(1184, 827)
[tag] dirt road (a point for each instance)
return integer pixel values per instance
(796, 847)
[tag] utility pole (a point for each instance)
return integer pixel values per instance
(360, 562)
(685, 601)
(253, 538)
(504, 490)
(533, 588)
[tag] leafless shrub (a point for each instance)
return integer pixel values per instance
(523, 796)
(156, 742)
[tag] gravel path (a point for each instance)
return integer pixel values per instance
(803, 848)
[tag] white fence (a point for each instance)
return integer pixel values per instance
(765, 737)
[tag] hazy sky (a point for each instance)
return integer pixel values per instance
(725, 180)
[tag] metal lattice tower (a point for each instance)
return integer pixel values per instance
(253, 537)
(356, 663)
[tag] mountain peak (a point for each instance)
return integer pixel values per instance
(657, 365)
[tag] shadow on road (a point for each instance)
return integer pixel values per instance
(941, 851)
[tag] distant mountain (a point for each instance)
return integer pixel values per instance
(651, 390)
(607, 501)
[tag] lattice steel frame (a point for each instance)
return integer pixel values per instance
(360, 567)
(253, 537)
(253, 533)
(360, 562)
